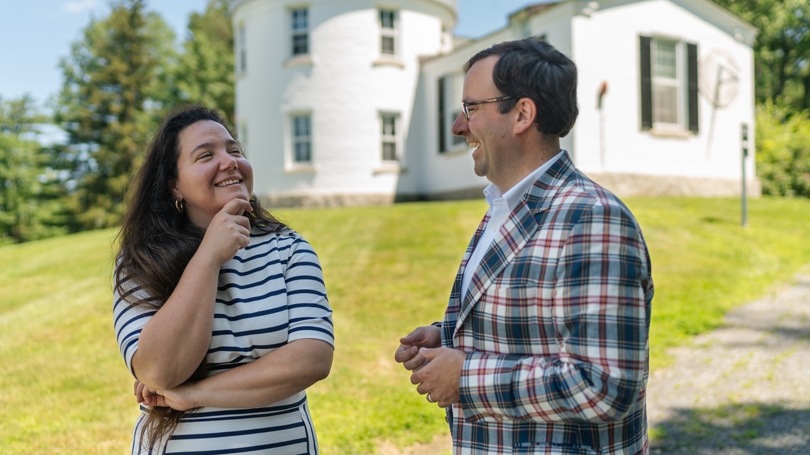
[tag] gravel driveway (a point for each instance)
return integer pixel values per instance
(743, 389)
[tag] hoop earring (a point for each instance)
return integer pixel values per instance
(178, 204)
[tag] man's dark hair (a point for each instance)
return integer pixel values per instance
(532, 68)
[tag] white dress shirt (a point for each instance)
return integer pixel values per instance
(500, 206)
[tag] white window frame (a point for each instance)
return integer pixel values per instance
(393, 138)
(298, 32)
(241, 54)
(291, 163)
(679, 82)
(453, 89)
(398, 165)
(391, 33)
(243, 134)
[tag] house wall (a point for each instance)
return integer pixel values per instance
(555, 25)
(611, 146)
(343, 82)
(345, 85)
(448, 174)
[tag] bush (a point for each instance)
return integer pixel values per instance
(783, 151)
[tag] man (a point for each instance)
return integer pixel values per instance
(544, 345)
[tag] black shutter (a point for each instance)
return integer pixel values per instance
(692, 86)
(442, 116)
(646, 82)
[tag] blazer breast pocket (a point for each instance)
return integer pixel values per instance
(518, 319)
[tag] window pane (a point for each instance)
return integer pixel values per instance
(242, 49)
(389, 151)
(457, 139)
(387, 19)
(299, 19)
(665, 60)
(300, 44)
(302, 152)
(388, 123)
(387, 45)
(665, 104)
(301, 126)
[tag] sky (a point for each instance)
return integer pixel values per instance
(36, 34)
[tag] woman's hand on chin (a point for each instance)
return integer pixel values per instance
(228, 232)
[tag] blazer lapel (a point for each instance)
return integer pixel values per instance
(511, 238)
(521, 225)
(455, 295)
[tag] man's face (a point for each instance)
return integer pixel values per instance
(487, 130)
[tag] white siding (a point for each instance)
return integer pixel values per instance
(606, 48)
(342, 84)
(345, 85)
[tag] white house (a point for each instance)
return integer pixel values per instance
(351, 101)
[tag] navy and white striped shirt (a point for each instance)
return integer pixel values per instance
(270, 294)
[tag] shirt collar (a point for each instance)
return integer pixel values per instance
(514, 195)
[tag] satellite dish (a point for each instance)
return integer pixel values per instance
(719, 78)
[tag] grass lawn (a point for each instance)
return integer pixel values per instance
(64, 388)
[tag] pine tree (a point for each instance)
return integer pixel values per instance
(205, 73)
(116, 84)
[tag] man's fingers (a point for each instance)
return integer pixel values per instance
(413, 337)
(405, 353)
(415, 363)
(429, 354)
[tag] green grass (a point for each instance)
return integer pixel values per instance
(704, 263)
(64, 388)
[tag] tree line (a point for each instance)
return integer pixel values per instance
(124, 73)
(120, 78)
(782, 91)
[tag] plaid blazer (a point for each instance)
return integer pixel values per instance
(555, 322)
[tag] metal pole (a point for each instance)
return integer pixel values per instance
(744, 156)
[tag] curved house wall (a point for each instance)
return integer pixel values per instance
(344, 83)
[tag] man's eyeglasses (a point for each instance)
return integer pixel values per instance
(465, 107)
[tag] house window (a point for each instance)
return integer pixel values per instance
(302, 138)
(243, 134)
(300, 31)
(389, 137)
(449, 103)
(668, 84)
(388, 32)
(665, 83)
(241, 42)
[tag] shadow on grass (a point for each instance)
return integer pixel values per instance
(740, 429)
(713, 220)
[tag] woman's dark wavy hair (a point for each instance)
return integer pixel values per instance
(157, 241)
(532, 68)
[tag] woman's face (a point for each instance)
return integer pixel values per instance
(211, 171)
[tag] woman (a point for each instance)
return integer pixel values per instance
(220, 310)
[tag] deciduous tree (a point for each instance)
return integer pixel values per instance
(782, 48)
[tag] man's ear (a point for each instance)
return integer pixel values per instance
(526, 112)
